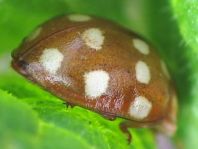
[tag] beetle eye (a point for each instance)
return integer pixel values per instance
(21, 66)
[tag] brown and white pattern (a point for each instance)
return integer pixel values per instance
(96, 64)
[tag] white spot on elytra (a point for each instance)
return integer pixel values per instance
(35, 34)
(141, 46)
(93, 38)
(51, 60)
(140, 107)
(142, 72)
(79, 17)
(165, 70)
(96, 83)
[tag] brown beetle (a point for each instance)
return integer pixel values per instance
(95, 64)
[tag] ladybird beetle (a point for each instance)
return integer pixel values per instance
(96, 64)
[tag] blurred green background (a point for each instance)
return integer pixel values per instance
(32, 118)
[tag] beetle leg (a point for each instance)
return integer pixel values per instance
(108, 116)
(124, 126)
(68, 105)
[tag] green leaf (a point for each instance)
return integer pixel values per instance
(185, 13)
(21, 128)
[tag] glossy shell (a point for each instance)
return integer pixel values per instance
(93, 63)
